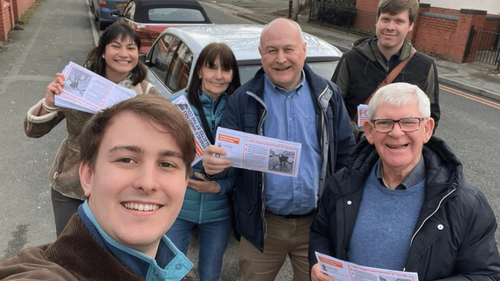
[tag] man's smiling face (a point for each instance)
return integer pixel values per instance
(392, 30)
(283, 54)
(399, 151)
(137, 186)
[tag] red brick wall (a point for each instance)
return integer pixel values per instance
(492, 24)
(20, 6)
(434, 36)
(11, 10)
(6, 19)
(367, 5)
(444, 11)
(366, 16)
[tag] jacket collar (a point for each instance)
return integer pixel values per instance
(368, 47)
(443, 169)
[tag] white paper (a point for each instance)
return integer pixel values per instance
(362, 114)
(346, 271)
(259, 153)
(87, 91)
(201, 140)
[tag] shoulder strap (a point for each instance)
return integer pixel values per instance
(393, 74)
(388, 79)
(204, 122)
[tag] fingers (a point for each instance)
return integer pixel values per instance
(199, 176)
(318, 275)
(54, 88)
(204, 186)
(211, 163)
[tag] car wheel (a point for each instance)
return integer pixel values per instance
(100, 24)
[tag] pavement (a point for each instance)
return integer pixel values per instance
(477, 78)
(60, 31)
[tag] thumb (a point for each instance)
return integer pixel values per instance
(199, 176)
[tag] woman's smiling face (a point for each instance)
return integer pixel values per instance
(121, 56)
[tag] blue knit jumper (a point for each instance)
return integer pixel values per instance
(385, 224)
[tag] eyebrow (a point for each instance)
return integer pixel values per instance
(121, 42)
(138, 150)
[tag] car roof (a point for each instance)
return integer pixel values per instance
(145, 5)
(243, 39)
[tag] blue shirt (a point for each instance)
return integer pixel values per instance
(291, 116)
(169, 264)
(416, 175)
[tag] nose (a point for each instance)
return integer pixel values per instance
(390, 25)
(146, 179)
(281, 58)
(218, 73)
(396, 130)
(123, 52)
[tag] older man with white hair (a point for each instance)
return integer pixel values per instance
(402, 202)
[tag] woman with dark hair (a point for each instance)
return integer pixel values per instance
(117, 58)
(206, 204)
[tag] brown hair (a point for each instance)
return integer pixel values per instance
(157, 110)
(393, 7)
(207, 58)
(116, 31)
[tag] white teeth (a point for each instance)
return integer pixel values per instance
(141, 207)
(397, 146)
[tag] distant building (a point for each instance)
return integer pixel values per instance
(490, 6)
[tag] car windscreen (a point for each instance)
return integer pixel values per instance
(175, 15)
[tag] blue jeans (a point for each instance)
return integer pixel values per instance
(213, 238)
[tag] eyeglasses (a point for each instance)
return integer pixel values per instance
(408, 124)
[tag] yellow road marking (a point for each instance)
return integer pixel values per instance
(471, 97)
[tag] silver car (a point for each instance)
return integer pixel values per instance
(174, 52)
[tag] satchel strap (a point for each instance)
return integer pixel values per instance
(388, 80)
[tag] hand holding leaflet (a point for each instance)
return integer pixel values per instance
(259, 153)
(346, 271)
(87, 91)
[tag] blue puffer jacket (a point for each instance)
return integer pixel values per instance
(208, 207)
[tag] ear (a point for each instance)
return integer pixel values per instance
(367, 126)
(411, 27)
(86, 178)
(428, 129)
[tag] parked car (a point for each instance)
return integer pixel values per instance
(150, 17)
(173, 53)
(103, 11)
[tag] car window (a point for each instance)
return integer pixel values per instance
(324, 69)
(178, 72)
(129, 11)
(247, 72)
(162, 55)
(175, 15)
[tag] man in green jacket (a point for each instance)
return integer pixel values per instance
(362, 69)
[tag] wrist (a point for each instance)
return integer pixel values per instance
(49, 108)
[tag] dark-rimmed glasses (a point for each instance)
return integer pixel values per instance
(407, 124)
